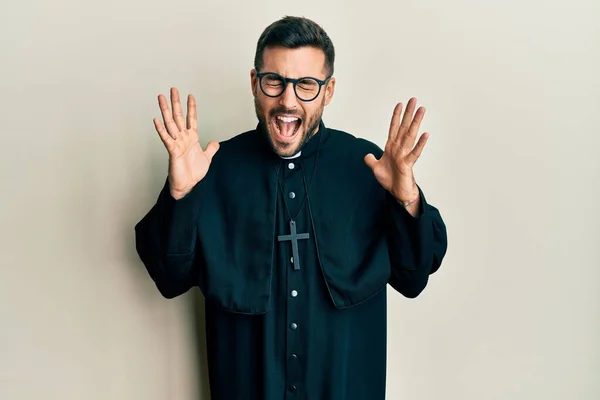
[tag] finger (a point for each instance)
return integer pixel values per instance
(395, 122)
(211, 149)
(192, 119)
(167, 117)
(164, 135)
(409, 137)
(408, 114)
(414, 155)
(177, 112)
(370, 160)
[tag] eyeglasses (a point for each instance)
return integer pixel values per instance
(306, 88)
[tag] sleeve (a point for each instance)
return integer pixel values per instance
(166, 242)
(417, 246)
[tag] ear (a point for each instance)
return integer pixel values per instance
(253, 81)
(329, 90)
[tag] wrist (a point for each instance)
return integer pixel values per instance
(407, 201)
(407, 196)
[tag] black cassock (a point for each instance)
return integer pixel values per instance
(281, 325)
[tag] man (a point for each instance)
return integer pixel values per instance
(292, 231)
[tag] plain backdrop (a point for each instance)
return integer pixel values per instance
(512, 91)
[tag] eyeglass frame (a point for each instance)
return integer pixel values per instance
(294, 82)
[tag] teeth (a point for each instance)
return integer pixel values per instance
(287, 119)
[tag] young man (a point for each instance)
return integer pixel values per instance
(292, 231)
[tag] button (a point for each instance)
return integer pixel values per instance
(292, 195)
(294, 357)
(293, 325)
(294, 293)
(293, 388)
(292, 260)
(291, 165)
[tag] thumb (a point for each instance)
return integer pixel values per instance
(211, 149)
(370, 160)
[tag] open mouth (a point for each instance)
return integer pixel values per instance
(286, 127)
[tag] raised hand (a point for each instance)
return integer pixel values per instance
(188, 162)
(394, 170)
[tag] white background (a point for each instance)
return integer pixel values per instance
(512, 92)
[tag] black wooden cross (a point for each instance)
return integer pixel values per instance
(293, 237)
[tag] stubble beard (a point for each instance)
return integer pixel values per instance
(265, 124)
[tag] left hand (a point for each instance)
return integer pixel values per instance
(394, 170)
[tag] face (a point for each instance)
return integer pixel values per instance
(290, 122)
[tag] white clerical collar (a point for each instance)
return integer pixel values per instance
(291, 157)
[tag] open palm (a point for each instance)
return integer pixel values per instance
(188, 162)
(394, 170)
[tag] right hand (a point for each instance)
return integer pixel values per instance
(188, 162)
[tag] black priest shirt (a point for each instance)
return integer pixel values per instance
(293, 257)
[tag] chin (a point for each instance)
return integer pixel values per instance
(285, 148)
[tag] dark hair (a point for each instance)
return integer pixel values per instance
(295, 32)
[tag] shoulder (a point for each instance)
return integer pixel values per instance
(242, 147)
(239, 141)
(350, 144)
(345, 154)
(239, 156)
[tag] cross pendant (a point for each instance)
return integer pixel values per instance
(293, 237)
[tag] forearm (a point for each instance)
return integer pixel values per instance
(418, 243)
(166, 243)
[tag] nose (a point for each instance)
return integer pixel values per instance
(288, 97)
